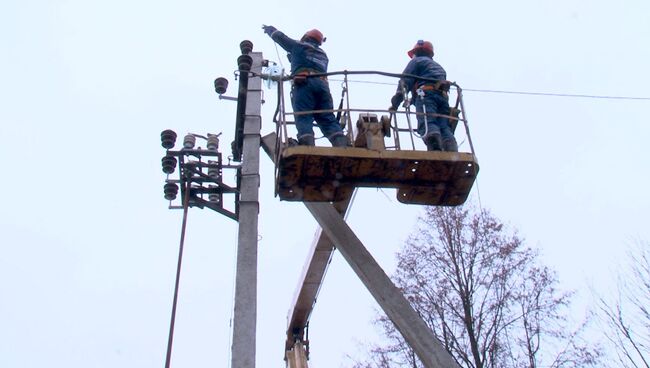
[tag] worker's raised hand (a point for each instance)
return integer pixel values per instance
(269, 29)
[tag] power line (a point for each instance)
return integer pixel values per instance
(526, 93)
(557, 94)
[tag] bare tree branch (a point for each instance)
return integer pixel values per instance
(626, 317)
(483, 294)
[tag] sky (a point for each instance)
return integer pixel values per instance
(89, 246)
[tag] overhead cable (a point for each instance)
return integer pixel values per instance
(557, 94)
(550, 94)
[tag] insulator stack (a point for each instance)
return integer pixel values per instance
(171, 191)
(213, 169)
(220, 85)
(246, 47)
(189, 141)
(168, 164)
(213, 142)
(244, 62)
(168, 139)
(213, 197)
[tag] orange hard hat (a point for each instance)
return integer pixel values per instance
(421, 45)
(314, 34)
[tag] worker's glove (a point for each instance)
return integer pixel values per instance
(395, 101)
(269, 29)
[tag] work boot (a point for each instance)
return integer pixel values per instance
(306, 140)
(433, 142)
(450, 145)
(340, 141)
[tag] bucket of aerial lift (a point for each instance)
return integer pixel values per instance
(330, 174)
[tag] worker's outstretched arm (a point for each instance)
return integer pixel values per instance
(269, 29)
(283, 40)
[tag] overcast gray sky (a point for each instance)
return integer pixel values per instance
(89, 248)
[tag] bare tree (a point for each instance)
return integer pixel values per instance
(626, 317)
(483, 294)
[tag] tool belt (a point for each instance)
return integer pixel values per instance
(437, 86)
(441, 86)
(300, 75)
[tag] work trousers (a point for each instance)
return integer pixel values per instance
(310, 95)
(434, 102)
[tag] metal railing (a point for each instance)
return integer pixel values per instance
(399, 127)
(402, 131)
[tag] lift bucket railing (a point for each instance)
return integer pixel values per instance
(402, 132)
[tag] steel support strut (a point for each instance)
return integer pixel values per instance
(407, 321)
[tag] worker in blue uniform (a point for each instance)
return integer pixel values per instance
(310, 93)
(431, 98)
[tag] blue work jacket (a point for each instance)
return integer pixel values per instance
(302, 54)
(422, 66)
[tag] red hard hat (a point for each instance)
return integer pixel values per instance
(421, 45)
(314, 34)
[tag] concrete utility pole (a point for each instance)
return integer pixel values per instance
(245, 311)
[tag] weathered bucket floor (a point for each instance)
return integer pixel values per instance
(329, 174)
